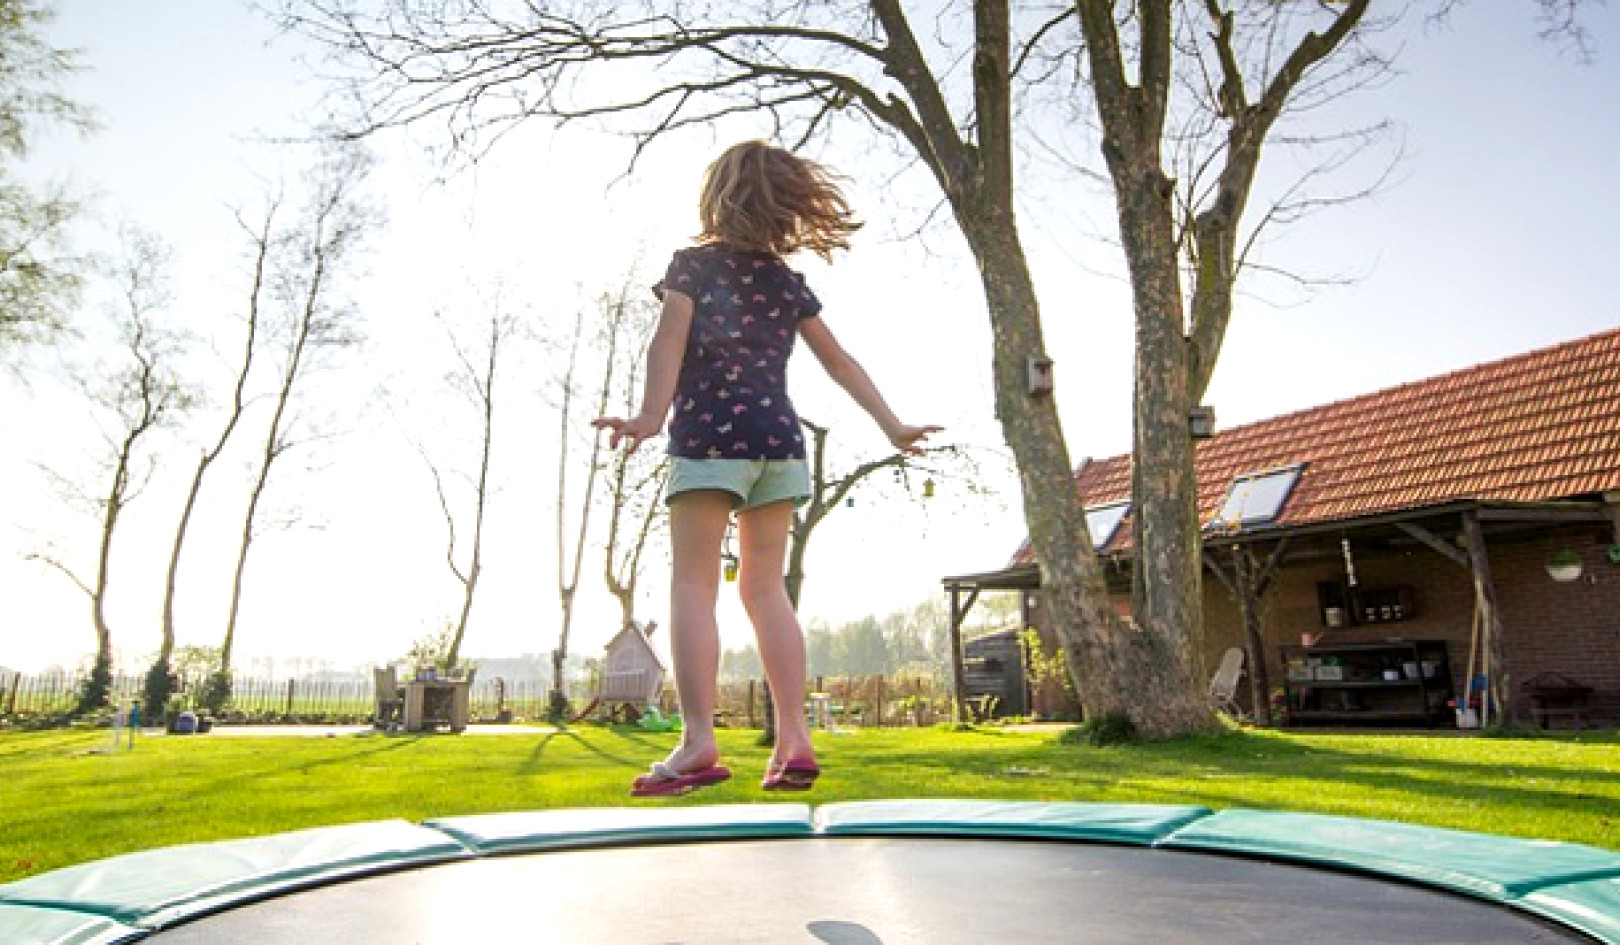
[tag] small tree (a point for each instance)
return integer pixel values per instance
(313, 322)
(474, 379)
(557, 708)
(161, 677)
(607, 337)
(830, 490)
(142, 394)
(635, 478)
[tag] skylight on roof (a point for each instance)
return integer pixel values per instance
(1257, 497)
(1103, 520)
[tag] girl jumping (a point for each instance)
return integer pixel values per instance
(717, 369)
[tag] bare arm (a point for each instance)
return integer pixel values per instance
(849, 374)
(664, 354)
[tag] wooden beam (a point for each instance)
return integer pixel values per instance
(1220, 574)
(1499, 694)
(1586, 513)
(1435, 543)
(1262, 582)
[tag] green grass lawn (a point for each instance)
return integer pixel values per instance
(62, 802)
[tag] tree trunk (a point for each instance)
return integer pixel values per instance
(171, 579)
(794, 578)
(1167, 588)
(109, 524)
(1166, 594)
(1100, 650)
(233, 609)
(469, 590)
(97, 686)
(484, 389)
(1118, 670)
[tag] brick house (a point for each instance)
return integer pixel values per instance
(1410, 536)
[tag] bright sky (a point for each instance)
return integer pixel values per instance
(1495, 237)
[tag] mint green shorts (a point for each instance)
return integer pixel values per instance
(751, 482)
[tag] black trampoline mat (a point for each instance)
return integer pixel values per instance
(866, 891)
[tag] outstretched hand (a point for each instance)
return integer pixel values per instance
(909, 439)
(631, 431)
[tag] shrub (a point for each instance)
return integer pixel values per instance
(97, 686)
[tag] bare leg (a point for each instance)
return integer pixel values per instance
(697, 524)
(762, 535)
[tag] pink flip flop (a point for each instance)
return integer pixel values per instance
(665, 781)
(793, 776)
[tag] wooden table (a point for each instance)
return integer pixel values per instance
(430, 703)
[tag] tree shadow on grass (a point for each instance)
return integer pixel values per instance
(532, 763)
(286, 762)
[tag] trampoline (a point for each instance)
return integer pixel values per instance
(859, 873)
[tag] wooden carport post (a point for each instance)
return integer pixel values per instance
(1248, 599)
(1485, 598)
(1246, 585)
(959, 613)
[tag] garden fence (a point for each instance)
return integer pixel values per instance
(878, 700)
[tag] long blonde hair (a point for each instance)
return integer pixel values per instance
(763, 198)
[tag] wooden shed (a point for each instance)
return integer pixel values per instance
(993, 665)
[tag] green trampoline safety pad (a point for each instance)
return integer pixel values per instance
(155, 888)
(1491, 867)
(1592, 906)
(44, 926)
(128, 898)
(528, 831)
(1140, 824)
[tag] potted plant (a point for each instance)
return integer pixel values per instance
(1564, 565)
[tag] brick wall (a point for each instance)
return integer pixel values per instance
(1572, 629)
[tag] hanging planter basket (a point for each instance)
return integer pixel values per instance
(1564, 566)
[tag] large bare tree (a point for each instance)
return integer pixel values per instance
(1152, 74)
(140, 394)
(312, 320)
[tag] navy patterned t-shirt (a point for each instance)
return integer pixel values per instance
(731, 398)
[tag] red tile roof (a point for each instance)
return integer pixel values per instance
(1536, 427)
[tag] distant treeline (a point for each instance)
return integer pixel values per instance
(911, 641)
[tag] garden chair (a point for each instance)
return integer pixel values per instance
(390, 696)
(1224, 686)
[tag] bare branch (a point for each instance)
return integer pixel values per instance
(1034, 41)
(444, 509)
(53, 561)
